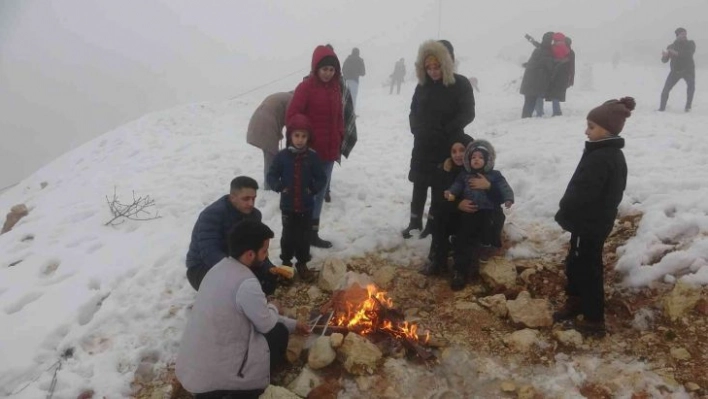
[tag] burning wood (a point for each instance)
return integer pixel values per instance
(368, 312)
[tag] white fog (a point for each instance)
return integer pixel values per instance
(72, 70)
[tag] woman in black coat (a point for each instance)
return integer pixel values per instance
(537, 75)
(442, 105)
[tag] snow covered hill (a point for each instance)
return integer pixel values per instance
(117, 295)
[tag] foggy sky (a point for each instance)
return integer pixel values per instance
(71, 70)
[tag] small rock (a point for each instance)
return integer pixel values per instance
(276, 392)
(43, 185)
(336, 340)
(496, 304)
(508, 386)
(523, 340)
(498, 272)
(569, 338)
(358, 355)
(16, 213)
(304, 383)
(692, 387)
(682, 298)
(680, 353)
(314, 292)
(384, 276)
(526, 392)
(85, 395)
(530, 312)
(333, 272)
(526, 275)
(321, 353)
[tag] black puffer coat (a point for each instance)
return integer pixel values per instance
(439, 110)
(539, 69)
(589, 206)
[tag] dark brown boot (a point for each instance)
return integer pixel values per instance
(591, 329)
(570, 309)
(304, 272)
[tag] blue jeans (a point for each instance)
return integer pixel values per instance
(353, 86)
(557, 108)
(539, 106)
(319, 198)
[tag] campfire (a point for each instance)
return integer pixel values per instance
(369, 312)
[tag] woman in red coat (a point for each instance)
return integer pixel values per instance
(319, 98)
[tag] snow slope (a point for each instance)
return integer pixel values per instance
(117, 295)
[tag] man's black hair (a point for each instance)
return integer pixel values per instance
(248, 235)
(243, 182)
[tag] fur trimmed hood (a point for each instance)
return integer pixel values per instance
(439, 51)
(480, 145)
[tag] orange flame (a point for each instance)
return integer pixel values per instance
(365, 318)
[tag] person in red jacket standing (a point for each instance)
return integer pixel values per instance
(319, 98)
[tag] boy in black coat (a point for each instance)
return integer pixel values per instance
(297, 174)
(588, 210)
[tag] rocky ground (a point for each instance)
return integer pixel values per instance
(491, 342)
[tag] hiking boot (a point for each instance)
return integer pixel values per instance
(427, 230)
(315, 239)
(569, 311)
(591, 329)
(458, 281)
(415, 224)
(688, 109)
(318, 242)
(305, 274)
(328, 198)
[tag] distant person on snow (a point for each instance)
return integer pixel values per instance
(680, 52)
(319, 98)
(442, 105)
(352, 69)
(209, 235)
(234, 338)
(537, 76)
(298, 176)
(265, 129)
(398, 76)
(588, 210)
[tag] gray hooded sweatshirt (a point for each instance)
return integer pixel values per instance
(223, 346)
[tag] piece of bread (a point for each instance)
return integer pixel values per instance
(283, 271)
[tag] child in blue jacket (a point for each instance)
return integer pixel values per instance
(297, 174)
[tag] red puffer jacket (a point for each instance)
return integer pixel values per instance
(322, 104)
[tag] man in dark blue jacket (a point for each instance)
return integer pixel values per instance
(209, 245)
(680, 53)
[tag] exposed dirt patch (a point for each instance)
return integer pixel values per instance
(636, 322)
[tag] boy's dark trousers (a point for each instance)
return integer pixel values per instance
(585, 273)
(295, 240)
(471, 229)
(277, 339)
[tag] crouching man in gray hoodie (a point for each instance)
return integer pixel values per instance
(234, 337)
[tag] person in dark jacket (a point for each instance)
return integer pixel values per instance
(474, 229)
(563, 58)
(442, 105)
(352, 69)
(398, 76)
(297, 175)
(234, 338)
(209, 235)
(319, 98)
(537, 76)
(588, 210)
(680, 53)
